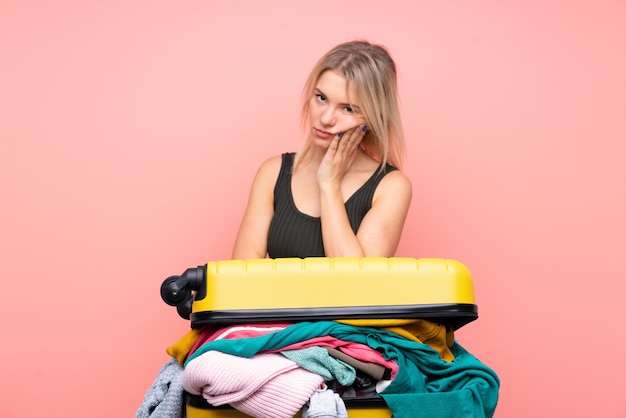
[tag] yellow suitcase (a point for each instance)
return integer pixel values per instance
(313, 289)
(294, 289)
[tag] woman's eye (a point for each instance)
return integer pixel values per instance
(348, 109)
(320, 97)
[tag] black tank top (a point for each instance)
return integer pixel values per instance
(296, 234)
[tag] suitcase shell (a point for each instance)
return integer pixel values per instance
(318, 288)
(196, 407)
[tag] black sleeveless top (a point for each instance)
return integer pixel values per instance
(296, 234)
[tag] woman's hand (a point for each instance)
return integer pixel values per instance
(339, 157)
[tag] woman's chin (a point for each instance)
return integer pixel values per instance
(321, 143)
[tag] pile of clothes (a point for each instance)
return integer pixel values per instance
(275, 370)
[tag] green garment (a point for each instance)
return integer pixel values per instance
(425, 386)
(317, 360)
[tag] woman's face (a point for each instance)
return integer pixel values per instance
(333, 108)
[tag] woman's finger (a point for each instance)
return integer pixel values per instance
(352, 138)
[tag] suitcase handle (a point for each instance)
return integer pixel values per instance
(177, 290)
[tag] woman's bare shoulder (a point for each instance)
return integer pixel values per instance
(395, 182)
(270, 166)
(268, 170)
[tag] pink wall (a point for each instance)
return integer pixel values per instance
(130, 132)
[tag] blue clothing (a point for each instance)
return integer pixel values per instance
(425, 386)
(164, 399)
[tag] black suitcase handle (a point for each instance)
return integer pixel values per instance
(177, 290)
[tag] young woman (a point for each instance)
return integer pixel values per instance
(342, 194)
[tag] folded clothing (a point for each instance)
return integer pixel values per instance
(233, 332)
(317, 360)
(267, 385)
(374, 370)
(468, 386)
(353, 349)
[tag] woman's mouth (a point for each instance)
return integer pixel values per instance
(322, 134)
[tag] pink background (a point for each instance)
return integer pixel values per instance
(130, 132)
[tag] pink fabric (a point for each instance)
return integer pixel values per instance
(264, 386)
(358, 351)
(237, 331)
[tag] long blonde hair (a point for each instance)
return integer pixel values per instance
(372, 72)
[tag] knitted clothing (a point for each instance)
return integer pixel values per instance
(317, 360)
(464, 387)
(263, 386)
(164, 399)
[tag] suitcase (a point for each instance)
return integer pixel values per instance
(232, 292)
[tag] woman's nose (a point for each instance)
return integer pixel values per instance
(328, 116)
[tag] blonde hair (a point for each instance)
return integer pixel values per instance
(372, 72)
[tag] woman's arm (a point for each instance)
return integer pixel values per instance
(251, 241)
(381, 228)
